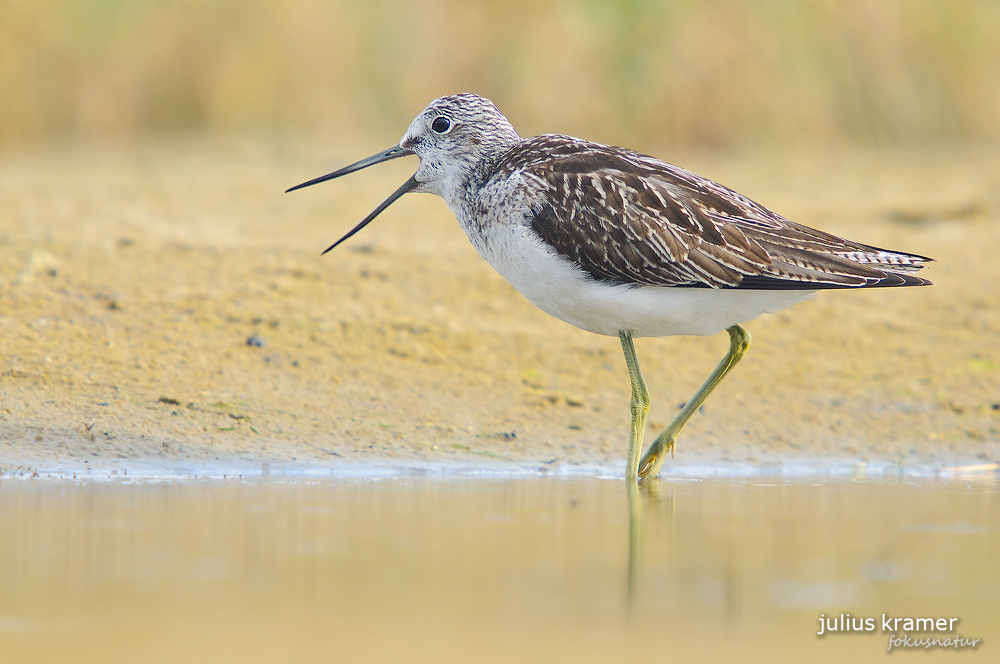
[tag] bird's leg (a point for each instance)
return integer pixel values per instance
(739, 342)
(639, 405)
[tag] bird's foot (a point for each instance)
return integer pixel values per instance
(651, 462)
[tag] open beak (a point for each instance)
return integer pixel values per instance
(392, 153)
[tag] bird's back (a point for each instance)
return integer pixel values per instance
(629, 218)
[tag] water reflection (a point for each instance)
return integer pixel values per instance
(634, 538)
(538, 569)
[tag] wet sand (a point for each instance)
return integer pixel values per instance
(132, 278)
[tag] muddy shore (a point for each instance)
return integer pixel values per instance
(165, 302)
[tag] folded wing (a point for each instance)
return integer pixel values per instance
(631, 218)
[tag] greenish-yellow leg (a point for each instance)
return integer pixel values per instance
(739, 342)
(640, 406)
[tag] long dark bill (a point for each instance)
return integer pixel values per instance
(392, 153)
(407, 186)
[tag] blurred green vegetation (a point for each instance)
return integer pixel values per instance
(681, 73)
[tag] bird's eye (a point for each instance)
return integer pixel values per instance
(441, 124)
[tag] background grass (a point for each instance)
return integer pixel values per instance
(685, 73)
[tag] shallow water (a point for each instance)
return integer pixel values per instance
(472, 569)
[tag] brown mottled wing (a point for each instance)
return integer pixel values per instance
(630, 218)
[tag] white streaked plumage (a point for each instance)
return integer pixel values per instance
(620, 243)
(560, 218)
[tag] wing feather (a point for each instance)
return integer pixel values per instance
(626, 217)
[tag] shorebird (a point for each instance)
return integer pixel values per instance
(623, 244)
